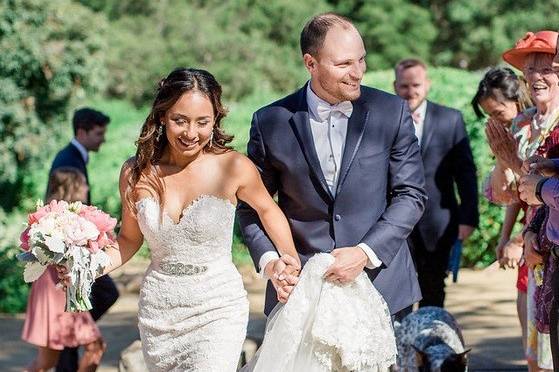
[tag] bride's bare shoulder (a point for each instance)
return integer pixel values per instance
(128, 165)
(235, 162)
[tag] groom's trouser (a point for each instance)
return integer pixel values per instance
(103, 295)
(431, 266)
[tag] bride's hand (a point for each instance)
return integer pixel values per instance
(349, 263)
(283, 272)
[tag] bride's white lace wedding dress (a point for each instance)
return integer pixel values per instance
(328, 327)
(193, 308)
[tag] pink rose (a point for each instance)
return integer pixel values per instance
(92, 246)
(54, 206)
(100, 219)
(103, 240)
(57, 206)
(80, 231)
(24, 239)
(35, 217)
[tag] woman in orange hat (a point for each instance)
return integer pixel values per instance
(534, 132)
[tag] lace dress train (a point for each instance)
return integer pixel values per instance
(328, 327)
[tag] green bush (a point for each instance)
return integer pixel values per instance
(13, 290)
(386, 26)
(52, 52)
(248, 45)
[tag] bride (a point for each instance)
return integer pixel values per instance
(179, 194)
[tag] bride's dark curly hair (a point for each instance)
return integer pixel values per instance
(150, 145)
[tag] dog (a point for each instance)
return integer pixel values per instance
(429, 340)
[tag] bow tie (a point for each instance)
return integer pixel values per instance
(324, 110)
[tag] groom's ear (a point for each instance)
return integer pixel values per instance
(310, 62)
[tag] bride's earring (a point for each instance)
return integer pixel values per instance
(211, 140)
(159, 132)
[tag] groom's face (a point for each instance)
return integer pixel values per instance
(339, 65)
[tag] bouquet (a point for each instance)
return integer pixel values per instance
(69, 234)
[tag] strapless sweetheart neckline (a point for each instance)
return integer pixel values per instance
(188, 207)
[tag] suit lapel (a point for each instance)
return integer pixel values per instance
(301, 126)
(355, 129)
(428, 128)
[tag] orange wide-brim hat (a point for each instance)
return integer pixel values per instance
(539, 42)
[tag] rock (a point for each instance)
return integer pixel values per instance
(132, 359)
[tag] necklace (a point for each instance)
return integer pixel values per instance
(548, 123)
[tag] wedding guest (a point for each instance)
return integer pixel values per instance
(543, 236)
(534, 132)
(46, 325)
(89, 134)
(448, 163)
(502, 95)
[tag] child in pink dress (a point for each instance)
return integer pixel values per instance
(46, 325)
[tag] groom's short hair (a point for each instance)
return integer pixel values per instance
(314, 32)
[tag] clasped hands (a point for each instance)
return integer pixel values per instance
(503, 145)
(284, 271)
(535, 169)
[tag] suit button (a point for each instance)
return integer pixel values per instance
(337, 217)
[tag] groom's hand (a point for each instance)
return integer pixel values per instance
(349, 263)
(283, 272)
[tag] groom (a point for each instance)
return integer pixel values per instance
(344, 162)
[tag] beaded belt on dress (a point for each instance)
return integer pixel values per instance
(181, 269)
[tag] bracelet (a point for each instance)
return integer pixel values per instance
(538, 190)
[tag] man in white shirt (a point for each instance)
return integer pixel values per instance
(448, 162)
(345, 165)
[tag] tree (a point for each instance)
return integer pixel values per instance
(474, 34)
(51, 52)
(391, 29)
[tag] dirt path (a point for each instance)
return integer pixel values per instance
(483, 302)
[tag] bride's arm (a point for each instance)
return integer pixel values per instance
(252, 191)
(130, 238)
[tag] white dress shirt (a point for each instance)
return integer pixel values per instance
(418, 117)
(81, 149)
(329, 129)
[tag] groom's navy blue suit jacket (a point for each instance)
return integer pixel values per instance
(380, 195)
